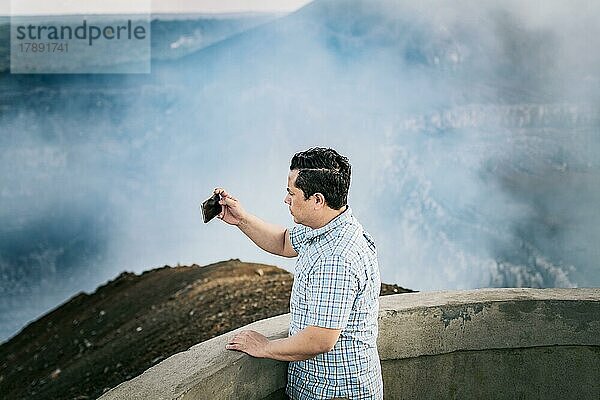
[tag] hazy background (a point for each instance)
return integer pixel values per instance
(65, 7)
(472, 128)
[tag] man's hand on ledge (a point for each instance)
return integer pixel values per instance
(250, 342)
(306, 344)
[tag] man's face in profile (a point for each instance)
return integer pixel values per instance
(300, 208)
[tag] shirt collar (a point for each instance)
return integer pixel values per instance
(334, 223)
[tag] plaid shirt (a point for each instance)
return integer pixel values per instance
(336, 286)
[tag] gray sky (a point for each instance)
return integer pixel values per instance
(32, 7)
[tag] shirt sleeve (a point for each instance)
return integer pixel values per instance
(297, 236)
(332, 287)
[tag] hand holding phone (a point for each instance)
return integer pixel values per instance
(211, 208)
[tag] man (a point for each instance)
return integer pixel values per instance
(335, 297)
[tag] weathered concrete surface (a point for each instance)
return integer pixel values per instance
(487, 343)
(491, 343)
(548, 372)
(208, 371)
(416, 324)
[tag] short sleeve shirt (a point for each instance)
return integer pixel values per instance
(336, 286)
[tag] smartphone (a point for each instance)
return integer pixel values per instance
(211, 208)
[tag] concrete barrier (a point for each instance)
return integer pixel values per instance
(487, 343)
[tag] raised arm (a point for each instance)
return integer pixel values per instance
(269, 237)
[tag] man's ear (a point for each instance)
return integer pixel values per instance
(319, 200)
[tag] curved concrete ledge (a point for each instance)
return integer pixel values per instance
(208, 371)
(487, 343)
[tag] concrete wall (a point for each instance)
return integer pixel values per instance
(492, 343)
(487, 343)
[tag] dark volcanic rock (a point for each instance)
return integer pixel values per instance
(94, 342)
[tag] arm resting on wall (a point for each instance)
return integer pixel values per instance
(306, 344)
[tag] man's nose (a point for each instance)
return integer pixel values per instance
(286, 199)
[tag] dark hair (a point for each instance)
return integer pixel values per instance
(324, 171)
